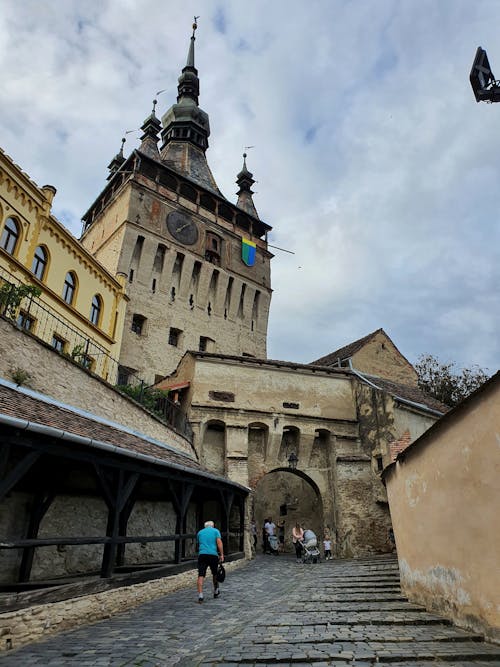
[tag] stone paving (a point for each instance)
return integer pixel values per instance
(272, 611)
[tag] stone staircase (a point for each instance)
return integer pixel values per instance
(351, 613)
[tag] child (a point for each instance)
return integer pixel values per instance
(327, 545)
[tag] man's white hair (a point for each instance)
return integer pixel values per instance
(209, 524)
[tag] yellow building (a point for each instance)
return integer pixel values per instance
(81, 307)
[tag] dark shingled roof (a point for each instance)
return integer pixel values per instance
(190, 161)
(16, 404)
(345, 352)
(407, 392)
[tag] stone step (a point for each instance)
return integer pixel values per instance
(320, 633)
(349, 606)
(352, 652)
(411, 617)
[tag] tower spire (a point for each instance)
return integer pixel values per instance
(245, 181)
(189, 83)
(186, 127)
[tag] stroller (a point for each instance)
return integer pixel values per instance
(273, 542)
(310, 551)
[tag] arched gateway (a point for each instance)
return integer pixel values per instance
(288, 496)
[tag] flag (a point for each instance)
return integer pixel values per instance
(248, 251)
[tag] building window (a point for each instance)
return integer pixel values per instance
(10, 235)
(138, 323)
(206, 344)
(86, 361)
(95, 309)
(58, 343)
(39, 262)
(69, 287)
(213, 248)
(174, 337)
(25, 321)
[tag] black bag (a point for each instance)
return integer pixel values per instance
(221, 573)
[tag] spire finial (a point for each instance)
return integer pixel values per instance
(190, 58)
(155, 102)
(123, 144)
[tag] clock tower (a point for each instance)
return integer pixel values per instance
(197, 266)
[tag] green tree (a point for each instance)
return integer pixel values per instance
(12, 295)
(445, 382)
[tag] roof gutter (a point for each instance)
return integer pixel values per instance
(418, 406)
(43, 429)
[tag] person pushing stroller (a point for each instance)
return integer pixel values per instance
(310, 551)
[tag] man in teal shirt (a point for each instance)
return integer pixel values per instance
(210, 554)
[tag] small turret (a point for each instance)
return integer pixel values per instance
(245, 181)
(150, 128)
(117, 161)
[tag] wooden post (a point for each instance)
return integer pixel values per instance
(41, 503)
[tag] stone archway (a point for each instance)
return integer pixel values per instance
(288, 496)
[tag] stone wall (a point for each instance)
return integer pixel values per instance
(37, 622)
(86, 516)
(59, 377)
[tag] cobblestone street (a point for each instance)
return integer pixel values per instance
(272, 611)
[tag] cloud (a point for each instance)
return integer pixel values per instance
(373, 162)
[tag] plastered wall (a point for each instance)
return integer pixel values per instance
(444, 498)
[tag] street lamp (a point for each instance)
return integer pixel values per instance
(293, 459)
(486, 88)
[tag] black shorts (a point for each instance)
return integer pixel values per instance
(205, 561)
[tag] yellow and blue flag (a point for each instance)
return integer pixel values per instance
(248, 250)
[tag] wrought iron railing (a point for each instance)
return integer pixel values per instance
(35, 316)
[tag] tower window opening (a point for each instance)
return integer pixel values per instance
(136, 256)
(174, 336)
(172, 294)
(209, 309)
(242, 302)
(206, 344)
(195, 277)
(159, 258)
(153, 285)
(213, 245)
(191, 301)
(138, 324)
(131, 276)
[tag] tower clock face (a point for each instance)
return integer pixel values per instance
(182, 227)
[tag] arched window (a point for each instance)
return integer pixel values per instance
(39, 262)
(10, 235)
(95, 309)
(69, 287)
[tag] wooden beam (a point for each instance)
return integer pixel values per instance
(19, 470)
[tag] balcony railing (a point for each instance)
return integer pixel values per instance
(36, 317)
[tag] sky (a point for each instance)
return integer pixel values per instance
(374, 164)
